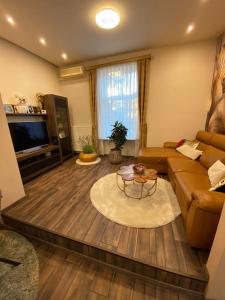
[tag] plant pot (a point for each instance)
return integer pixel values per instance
(115, 156)
(88, 157)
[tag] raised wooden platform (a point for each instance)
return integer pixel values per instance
(58, 210)
(67, 275)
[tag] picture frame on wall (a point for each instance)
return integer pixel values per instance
(35, 109)
(22, 109)
(8, 108)
(30, 109)
(15, 109)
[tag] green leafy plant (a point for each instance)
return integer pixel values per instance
(86, 143)
(118, 135)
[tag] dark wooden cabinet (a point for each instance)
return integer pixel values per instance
(59, 124)
(32, 164)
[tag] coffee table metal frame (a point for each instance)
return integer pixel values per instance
(139, 180)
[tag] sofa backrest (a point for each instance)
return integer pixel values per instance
(204, 138)
(218, 141)
(213, 147)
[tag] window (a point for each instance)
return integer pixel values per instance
(117, 99)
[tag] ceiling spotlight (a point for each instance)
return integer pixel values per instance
(64, 56)
(190, 28)
(42, 41)
(107, 18)
(10, 20)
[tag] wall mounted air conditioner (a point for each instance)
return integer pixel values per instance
(71, 72)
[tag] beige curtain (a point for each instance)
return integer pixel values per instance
(93, 100)
(143, 74)
(216, 118)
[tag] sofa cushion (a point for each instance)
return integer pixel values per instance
(211, 155)
(216, 172)
(170, 145)
(186, 184)
(152, 154)
(218, 141)
(204, 136)
(202, 146)
(177, 164)
(189, 182)
(174, 153)
(209, 201)
(189, 152)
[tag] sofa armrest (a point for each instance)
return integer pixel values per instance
(170, 145)
(209, 201)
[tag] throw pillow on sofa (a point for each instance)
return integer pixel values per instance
(219, 187)
(192, 144)
(180, 142)
(216, 172)
(189, 151)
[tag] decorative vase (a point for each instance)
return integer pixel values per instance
(115, 156)
(88, 157)
(139, 169)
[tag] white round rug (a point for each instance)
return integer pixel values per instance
(79, 162)
(153, 211)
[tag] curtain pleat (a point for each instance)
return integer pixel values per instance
(143, 74)
(92, 88)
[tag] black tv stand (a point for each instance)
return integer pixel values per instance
(32, 164)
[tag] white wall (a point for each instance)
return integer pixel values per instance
(10, 181)
(179, 93)
(24, 73)
(77, 92)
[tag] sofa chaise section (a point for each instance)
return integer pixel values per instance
(200, 207)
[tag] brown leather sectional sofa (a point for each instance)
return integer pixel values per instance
(200, 207)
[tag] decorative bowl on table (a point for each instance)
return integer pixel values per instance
(139, 169)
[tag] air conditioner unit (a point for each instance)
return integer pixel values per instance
(72, 72)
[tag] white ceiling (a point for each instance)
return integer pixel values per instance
(69, 25)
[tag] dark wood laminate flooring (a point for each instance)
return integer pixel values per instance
(59, 201)
(65, 275)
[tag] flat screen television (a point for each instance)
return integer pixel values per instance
(28, 136)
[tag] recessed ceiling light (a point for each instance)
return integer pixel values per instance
(64, 56)
(190, 28)
(42, 41)
(107, 18)
(10, 20)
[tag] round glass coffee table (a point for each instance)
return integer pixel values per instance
(137, 186)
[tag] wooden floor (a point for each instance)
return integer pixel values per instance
(65, 275)
(59, 201)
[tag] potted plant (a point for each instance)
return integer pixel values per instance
(88, 153)
(118, 137)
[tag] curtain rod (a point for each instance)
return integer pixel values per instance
(119, 61)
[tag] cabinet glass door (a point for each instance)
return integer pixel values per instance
(62, 119)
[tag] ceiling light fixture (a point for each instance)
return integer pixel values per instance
(190, 28)
(10, 20)
(64, 56)
(107, 18)
(42, 41)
